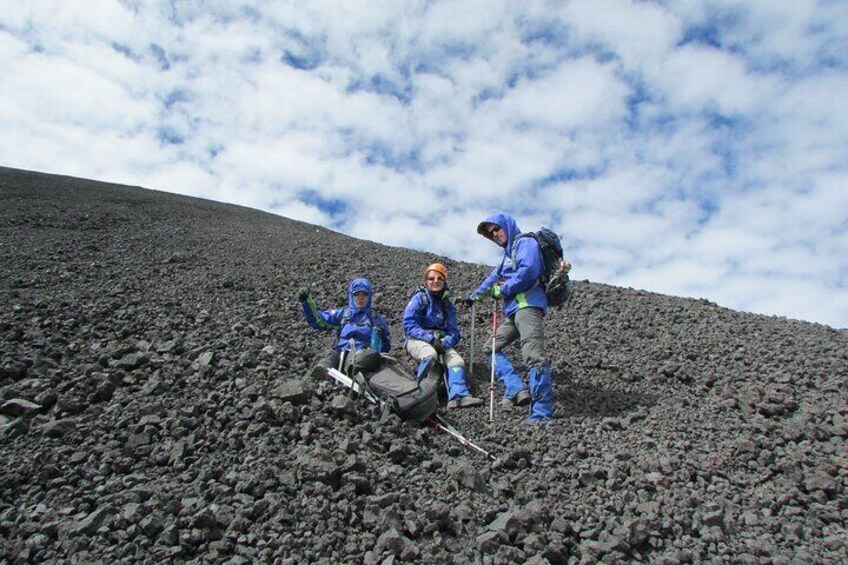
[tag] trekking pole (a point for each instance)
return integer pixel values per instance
(471, 355)
(443, 426)
(492, 379)
(351, 352)
(444, 365)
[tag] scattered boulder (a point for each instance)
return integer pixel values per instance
(19, 407)
(153, 406)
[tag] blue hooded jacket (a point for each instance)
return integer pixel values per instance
(350, 321)
(426, 314)
(520, 287)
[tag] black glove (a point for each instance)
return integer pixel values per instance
(304, 294)
(381, 332)
(438, 345)
(471, 299)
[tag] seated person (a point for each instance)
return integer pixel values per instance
(356, 320)
(431, 331)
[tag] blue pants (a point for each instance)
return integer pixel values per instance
(528, 325)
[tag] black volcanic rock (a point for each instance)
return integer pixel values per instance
(156, 406)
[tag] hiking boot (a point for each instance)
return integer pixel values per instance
(464, 402)
(522, 398)
(471, 402)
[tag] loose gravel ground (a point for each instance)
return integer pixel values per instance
(156, 408)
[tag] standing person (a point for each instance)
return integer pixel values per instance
(355, 320)
(431, 331)
(524, 309)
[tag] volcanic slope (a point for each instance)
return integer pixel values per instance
(155, 408)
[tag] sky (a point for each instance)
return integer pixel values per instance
(695, 148)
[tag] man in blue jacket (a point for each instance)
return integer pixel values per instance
(431, 330)
(517, 283)
(355, 320)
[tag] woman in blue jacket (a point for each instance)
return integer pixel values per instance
(524, 309)
(354, 321)
(431, 331)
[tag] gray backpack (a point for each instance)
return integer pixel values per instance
(405, 395)
(401, 392)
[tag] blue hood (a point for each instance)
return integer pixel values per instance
(506, 222)
(357, 285)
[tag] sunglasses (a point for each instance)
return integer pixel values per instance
(493, 230)
(436, 278)
(360, 293)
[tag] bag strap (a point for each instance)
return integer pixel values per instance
(346, 318)
(541, 258)
(426, 302)
(514, 243)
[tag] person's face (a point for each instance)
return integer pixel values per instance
(435, 281)
(360, 298)
(496, 234)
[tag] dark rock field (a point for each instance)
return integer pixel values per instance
(155, 407)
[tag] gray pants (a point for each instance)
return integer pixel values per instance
(529, 325)
(420, 350)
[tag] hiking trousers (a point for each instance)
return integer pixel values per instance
(420, 350)
(528, 324)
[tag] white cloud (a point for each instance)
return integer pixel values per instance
(696, 77)
(578, 93)
(639, 33)
(694, 148)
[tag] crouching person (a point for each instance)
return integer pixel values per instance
(431, 331)
(355, 321)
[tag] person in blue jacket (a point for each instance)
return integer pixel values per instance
(524, 306)
(431, 331)
(356, 321)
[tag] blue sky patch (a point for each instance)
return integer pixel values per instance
(168, 136)
(303, 62)
(160, 56)
(303, 53)
(330, 206)
(175, 97)
(702, 35)
(125, 50)
(385, 155)
(379, 84)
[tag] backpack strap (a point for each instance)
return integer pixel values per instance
(514, 243)
(512, 252)
(343, 322)
(425, 300)
(346, 318)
